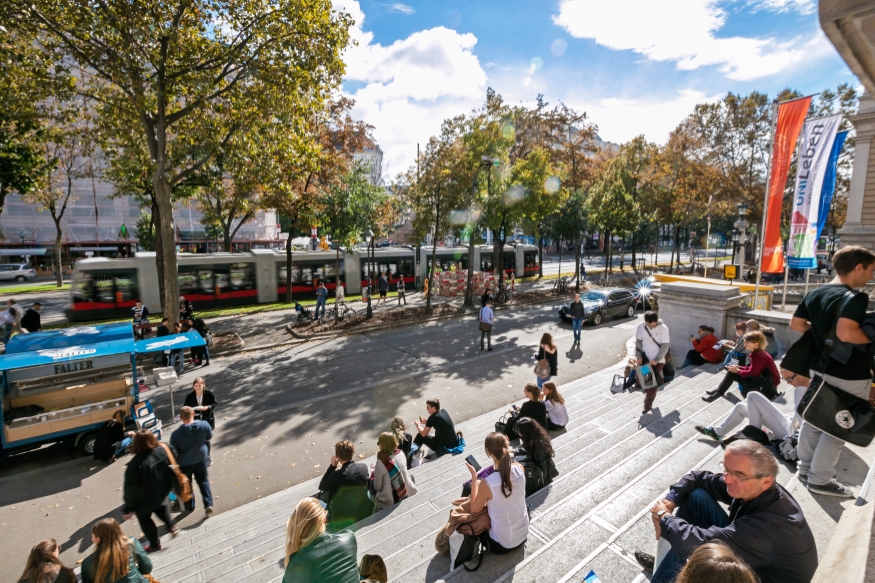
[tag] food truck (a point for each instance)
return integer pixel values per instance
(65, 384)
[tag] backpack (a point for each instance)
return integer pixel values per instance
(534, 478)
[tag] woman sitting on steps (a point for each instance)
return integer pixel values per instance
(760, 374)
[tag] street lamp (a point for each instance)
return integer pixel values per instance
(369, 236)
(741, 226)
(735, 234)
(742, 209)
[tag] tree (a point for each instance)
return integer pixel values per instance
(67, 148)
(229, 201)
(614, 208)
(173, 68)
(145, 231)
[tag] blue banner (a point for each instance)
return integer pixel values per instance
(829, 181)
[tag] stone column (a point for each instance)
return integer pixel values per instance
(684, 306)
(859, 227)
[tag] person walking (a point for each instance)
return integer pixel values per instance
(321, 298)
(577, 313)
(402, 289)
(148, 481)
(140, 315)
(705, 348)
(824, 311)
(391, 482)
(547, 350)
(202, 402)
(383, 288)
(116, 558)
(31, 319)
(177, 356)
(652, 343)
(313, 555)
(191, 442)
(487, 319)
(200, 354)
(44, 566)
(7, 323)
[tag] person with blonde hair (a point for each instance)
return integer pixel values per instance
(760, 374)
(716, 563)
(117, 558)
(557, 413)
(43, 565)
(772, 346)
(503, 493)
(373, 569)
(313, 555)
(405, 440)
(391, 481)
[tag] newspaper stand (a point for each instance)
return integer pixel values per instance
(66, 383)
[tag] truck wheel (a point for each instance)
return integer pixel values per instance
(86, 444)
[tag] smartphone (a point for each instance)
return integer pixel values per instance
(516, 408)
(470, 459)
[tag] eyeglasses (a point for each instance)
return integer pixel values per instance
(736, 475)
(788, 379)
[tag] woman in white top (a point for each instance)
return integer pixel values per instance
(504, 495)
(391, 480)
(557, 414)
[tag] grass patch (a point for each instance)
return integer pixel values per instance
(33, 288)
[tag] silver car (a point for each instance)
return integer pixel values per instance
(16, 272)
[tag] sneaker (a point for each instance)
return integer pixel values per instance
(803, 478)
(645, 560)
(208, 510)
(708, 431)
(151, 549)
(174, 531)
(834, 488)
(209, 461)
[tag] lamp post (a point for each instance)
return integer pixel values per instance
(369, 236)
(735, 234)
(741, 225)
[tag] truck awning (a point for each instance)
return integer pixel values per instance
(70, 337)
(171, 342)
(43, 356)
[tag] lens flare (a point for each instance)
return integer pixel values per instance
(508, 130)
(551, 185)
(558, 47)
(536, 63)
(514, 194)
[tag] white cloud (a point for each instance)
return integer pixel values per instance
(801, 6)
(408, 10)
(412, 85)
(683, 31)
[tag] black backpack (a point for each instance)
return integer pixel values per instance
(534, 478)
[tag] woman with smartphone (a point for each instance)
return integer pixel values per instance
(533, 409)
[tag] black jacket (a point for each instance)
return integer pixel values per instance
(162, 330)
(769, 533)
(209, 400)
(544, 461)
(576, 310)
(31, 320)
(347, 494)
(111, 432)
(147, 480)
(553, 359)
(534, 410)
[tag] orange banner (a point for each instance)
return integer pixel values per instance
(791, 116)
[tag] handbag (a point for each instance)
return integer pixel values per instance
(542, 369)
(501, 424)
(831, 409)
(464, 548)
(181, 486)
(617, 384)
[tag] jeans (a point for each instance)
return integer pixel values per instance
(199, 471)
(542, 381)
(699, 509)
(7, 332)
(149, 528)
(760, 411)
(122, 446)
(401, 297)
(488, 335)
(320, 303)
(819, 452)
(577, 325)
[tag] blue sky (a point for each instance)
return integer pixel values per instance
(635, 66)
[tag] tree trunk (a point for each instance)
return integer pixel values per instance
(59, 278)
(540, 256)
(559, 249)
(226, 237)
(433, 263)
(170, 296)
(159, 249)
(469, 288)
(622, 253)
(289, 265)
(634, 245)
(609, 265)
(577, 263)
(498, 253)
(337, 270)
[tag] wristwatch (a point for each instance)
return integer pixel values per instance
(662, 512)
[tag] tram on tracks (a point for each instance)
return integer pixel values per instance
(107, 288)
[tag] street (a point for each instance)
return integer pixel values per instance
(281, 411)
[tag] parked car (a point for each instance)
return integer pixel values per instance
(17, 272)
(598, 305)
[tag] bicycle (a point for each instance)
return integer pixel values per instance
(503, 294)
(605, 280)
(560, 286)
(335, 314)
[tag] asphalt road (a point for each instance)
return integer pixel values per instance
(281, 411)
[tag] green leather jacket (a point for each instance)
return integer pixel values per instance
(331, 558)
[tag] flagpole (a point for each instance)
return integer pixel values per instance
(773, 123)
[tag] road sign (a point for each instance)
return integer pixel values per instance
(730, 272)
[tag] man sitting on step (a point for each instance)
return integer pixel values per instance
(764, 527)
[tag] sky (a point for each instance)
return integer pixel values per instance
(634, 66)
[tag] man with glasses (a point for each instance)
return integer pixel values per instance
(765, 526)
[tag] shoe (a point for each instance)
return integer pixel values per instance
(151, 549)
(489, 349)
(208, 511)
(803, 478)
(645, 561)
(834, 488)
(174, 531)
(646, 411)
(708, 431)
(209, 461)
(710, 398)
(709, 393)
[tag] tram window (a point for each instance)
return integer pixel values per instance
(531, 259)
(242, 276)
(509, 260)
(458, 262)
(205, 281)
(105, 287)
(188, 282)
(126, 287)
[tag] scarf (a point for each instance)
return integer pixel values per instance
(399, 489)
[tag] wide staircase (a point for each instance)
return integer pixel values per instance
(614, 464)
